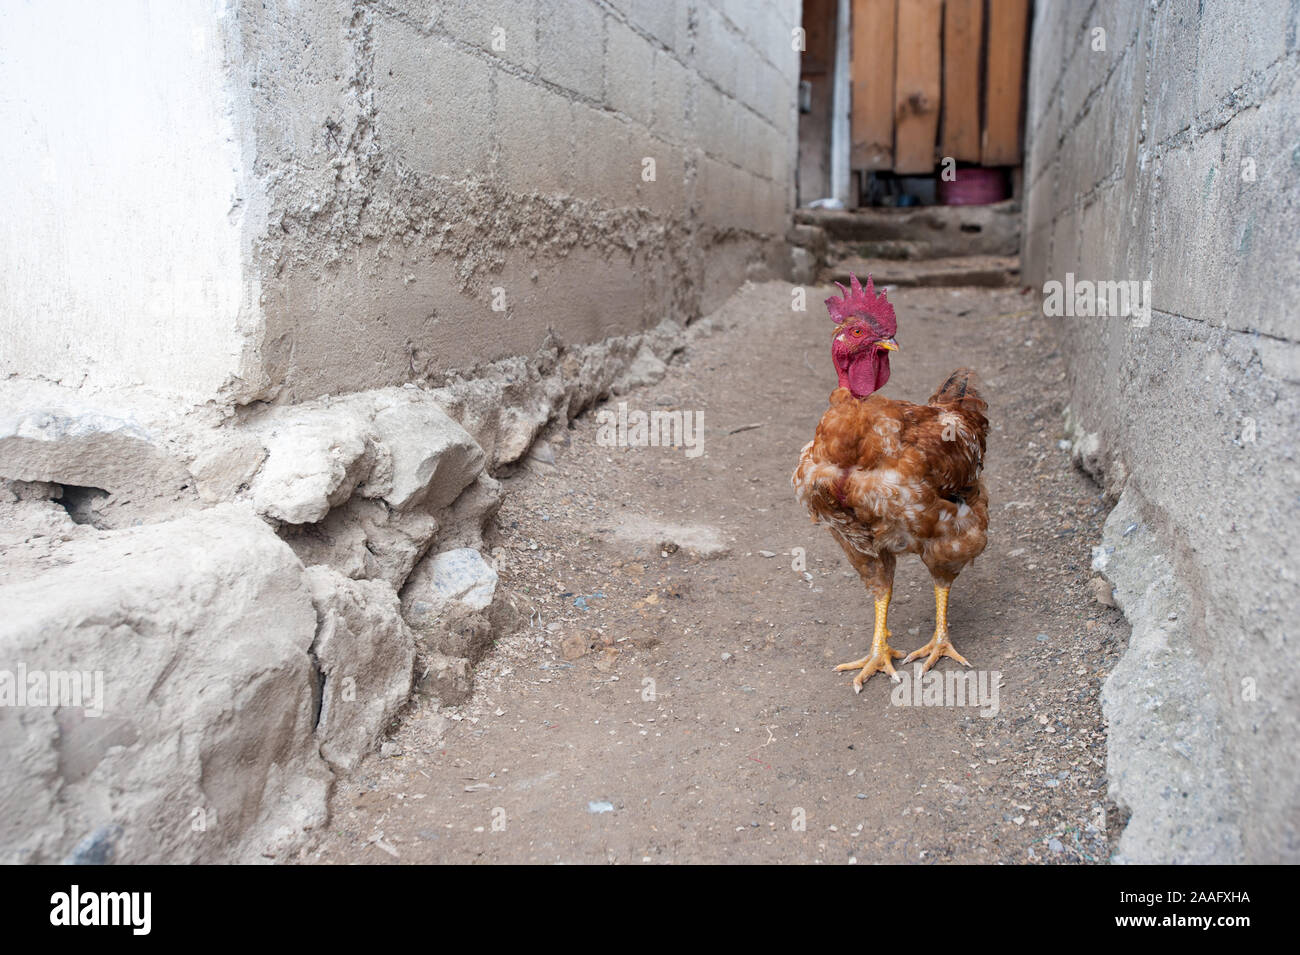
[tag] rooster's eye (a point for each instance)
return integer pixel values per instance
(857, 331)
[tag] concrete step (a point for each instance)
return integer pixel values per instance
(989, 271)
(919, 232)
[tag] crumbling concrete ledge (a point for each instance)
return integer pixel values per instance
(1167, 753)
(223, 608)
(1201, 704)
(158, 689)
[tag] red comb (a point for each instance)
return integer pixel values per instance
(866, 304)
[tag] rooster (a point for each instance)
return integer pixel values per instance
(891, 477)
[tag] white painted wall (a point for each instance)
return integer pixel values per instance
(121, 220)
(404, 168)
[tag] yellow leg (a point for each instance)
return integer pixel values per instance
(882, 654)
(939, 645)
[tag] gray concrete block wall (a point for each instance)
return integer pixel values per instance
(1140, 168)
(467, 165)
(400, 160)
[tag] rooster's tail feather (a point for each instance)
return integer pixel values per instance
(958, 394)
(959, 388)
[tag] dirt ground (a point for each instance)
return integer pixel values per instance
(707, 724)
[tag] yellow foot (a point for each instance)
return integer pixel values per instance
(939, 646)
(880, 660)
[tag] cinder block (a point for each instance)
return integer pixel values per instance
(1037, 229)
(780, 155)
(537, 136)
(1085, 72)
(666, 22)
(629, 72)
(299, 84)
(1106, 235)
(716, 117)
(762, 88)
(1142, 194)
(1064, 256)
(607, 161)
(1043, 142)
(771, 214)
(713, 194)
(740, 210)
(1174, 39)
(754, 146)
(752, 196)
(1046, 48)
(781, 98)
(1103, 132)
(1086, 67)
(1222, 265)
(598, 294)
(505, 28)
(740, 13)
(717, 48)
(758, 157)
(1180, 212)
(672, 85)
(1261, 281)
(1069, 185)
(1033, 256)
(666, 195)
(771, 33)
(434, 103)
(571, 38)
(1235, 40)
(751, 83)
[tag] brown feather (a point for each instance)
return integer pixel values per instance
(892, 477)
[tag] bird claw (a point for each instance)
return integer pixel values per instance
(880, 660)
(938, 647)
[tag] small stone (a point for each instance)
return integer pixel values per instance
(389, 749)
(98, 848)
(574, 646)
(1102, 591)
(461, 575)
(542, 452)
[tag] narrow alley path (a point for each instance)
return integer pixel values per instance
(707, 722)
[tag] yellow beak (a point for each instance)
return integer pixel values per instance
(888, 344)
